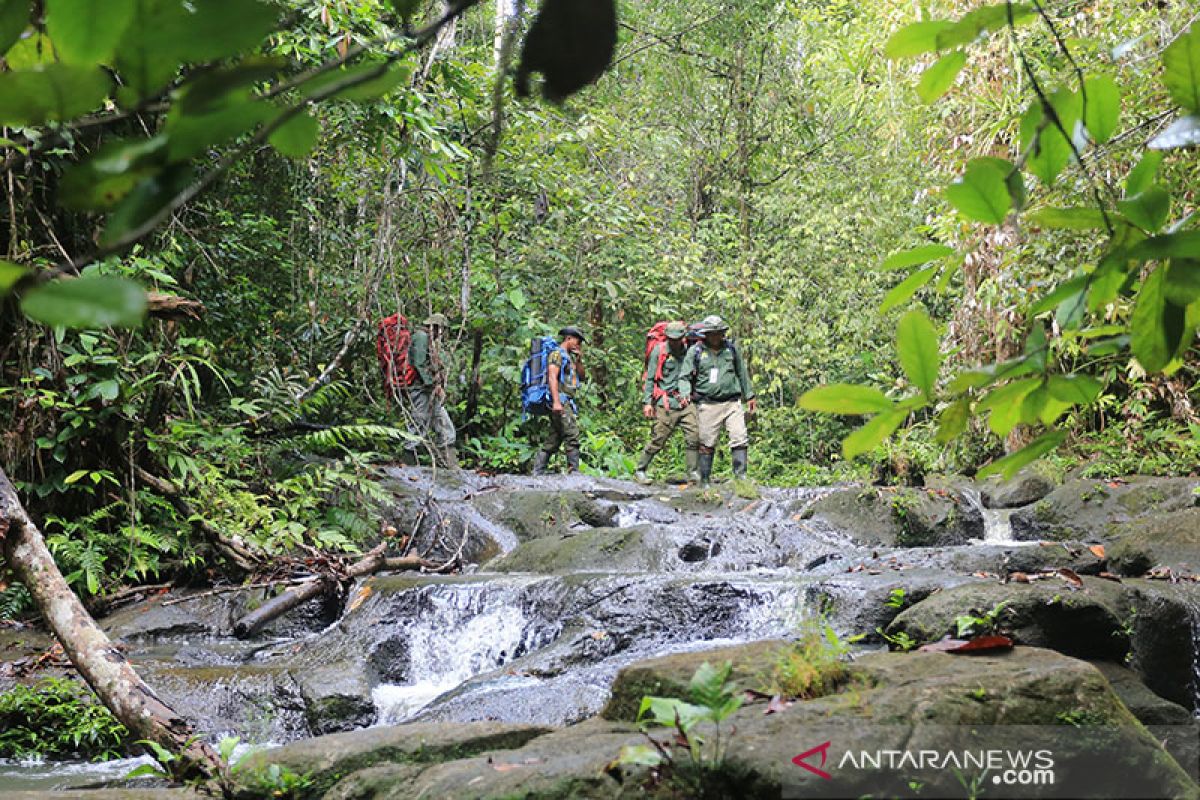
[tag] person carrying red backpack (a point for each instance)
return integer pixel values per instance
(662, 401)
(415, 378)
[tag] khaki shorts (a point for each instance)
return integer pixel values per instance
(730, 415)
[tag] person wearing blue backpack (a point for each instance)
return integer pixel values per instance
(549, 385)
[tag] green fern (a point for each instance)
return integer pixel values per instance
(352, 437)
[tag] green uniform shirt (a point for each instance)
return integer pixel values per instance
(715, 377)
(568, 379)
(419, 357)
(672, 368)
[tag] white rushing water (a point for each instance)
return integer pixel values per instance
(471, 629)
(1196, 661)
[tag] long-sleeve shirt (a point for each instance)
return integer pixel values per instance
(672, 367)
(424, 360)
(715, 376)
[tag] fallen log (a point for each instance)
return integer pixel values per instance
(92, 653)
(374, 561)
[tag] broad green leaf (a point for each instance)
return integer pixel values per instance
(916, 256)
(1101, 107)
(105, 177)
(1041, 406)
(145, 200)
(1141, 177)
(1004, 370)
(76, 476)
(875, 431)
(980, 21)
(1182, 281)
(1107, 279)
(105, 390)
(14, 19)
(215, 88)
(55, 92)
(359, 82)
(981, 194)
(395, 76)
(1149, 209)
(1009, 465)
(845, 398)
(952, 421)
(937, 79)
(1108, 347)
(10, 273)
(297, 137)
(639, 755)
(1064, 291)
(167, 33)
(87, 302)
(1004, 403)
(1170, 245)
(915, 39)
(1183, 132)
(917, 347)
(86, 32)
(1077, 219)
(1075, 389)
(1181, 69)
(1156, 326)
(904, 291)
(189, 135)
(1050, 149)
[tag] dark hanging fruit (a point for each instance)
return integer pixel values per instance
(571, 43)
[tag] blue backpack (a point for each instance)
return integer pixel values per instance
(535, 376)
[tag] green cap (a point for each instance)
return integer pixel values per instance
(676, 330)
(712, 324)
(437, 319)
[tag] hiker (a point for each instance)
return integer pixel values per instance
(662, 402)
(714, 375)
(426, 394)
(563, 373)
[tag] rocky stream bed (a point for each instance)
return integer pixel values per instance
(521, 676)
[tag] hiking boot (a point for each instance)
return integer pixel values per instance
(572, 461)
(539, 463)
(739, 458)
(704, 469)
(641, 477)
(693, 459)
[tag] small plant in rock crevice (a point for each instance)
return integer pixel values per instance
(811, 666)
(974, 624)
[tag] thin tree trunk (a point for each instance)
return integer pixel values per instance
(276, 607)
(97, 659)
(476, 384)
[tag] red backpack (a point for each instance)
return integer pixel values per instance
(391, 346)
(654, 337)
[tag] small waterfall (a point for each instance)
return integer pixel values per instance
(471, 629)
(997, 522)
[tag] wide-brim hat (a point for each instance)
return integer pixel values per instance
(676, 330)
(571, 330)
(713, 324)
(437, 319)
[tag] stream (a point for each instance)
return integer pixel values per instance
(580, 576)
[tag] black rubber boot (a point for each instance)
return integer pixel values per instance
(572, 461)
(705, 467)
(539, 463)
(739, 462)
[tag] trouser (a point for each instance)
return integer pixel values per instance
(564, 431)
(666, 420)
(428, 415)
(729, 415)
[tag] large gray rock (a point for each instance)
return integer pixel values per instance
(1092, 622)
(900, 517)
(1165, 540)
(1093, 510)
(1027, 486)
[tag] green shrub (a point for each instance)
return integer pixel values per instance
(58, 718)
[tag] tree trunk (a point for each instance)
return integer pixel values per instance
(476, 384)
(97, 659)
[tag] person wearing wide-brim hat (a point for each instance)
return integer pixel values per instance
(429, 422)
(563, 373)
(715, 377)
(663, 402)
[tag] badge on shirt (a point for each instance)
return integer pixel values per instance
(713, 373)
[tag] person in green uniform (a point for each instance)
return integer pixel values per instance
(714, 375)
(663, 403)
(426, 397)
(563, 374)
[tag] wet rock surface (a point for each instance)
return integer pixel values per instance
(574, 584)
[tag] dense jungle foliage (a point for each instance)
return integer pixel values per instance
(983, 221)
